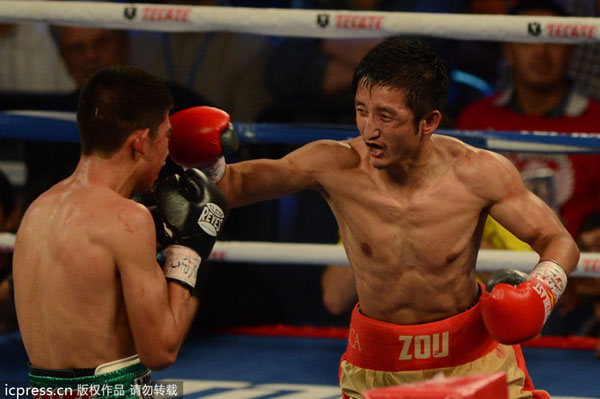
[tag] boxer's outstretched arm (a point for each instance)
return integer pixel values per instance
(156, 310)
(264, 179)
(200, 137)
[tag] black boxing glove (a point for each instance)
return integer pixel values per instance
(149, 201)
(192, 210)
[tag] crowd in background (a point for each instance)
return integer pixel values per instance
(503, 86)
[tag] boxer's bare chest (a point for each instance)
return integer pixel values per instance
(430, 224)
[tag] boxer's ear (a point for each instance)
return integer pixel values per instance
(430, 122)
(139, 141)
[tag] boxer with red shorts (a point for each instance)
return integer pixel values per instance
(410, 206)
(381, 354)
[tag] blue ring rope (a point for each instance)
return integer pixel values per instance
(52, 126)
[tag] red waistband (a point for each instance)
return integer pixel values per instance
(377, 345)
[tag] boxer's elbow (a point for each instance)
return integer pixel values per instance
(159, 359)
(161, 353)
(560, 247)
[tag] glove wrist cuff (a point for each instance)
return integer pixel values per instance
(182, 265)
(216, 171)
(552, 274)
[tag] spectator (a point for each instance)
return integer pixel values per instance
(478, 62)
(83, 51)
(584, 67)
(543, 98)
(24, 48)
(312, 77)
(224, 68)
(87, 50)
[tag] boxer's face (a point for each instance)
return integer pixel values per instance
(386, 125)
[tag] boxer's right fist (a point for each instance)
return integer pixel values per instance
(513, 313)
(193, 211)
(516, 305)
(200, 136)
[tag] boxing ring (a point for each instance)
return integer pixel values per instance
(30, 125)
(204, 365)
(300, 362)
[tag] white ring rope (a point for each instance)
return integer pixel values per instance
(304, 23)
(326, 254)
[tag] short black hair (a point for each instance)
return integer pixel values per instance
(409, 65)
(116, 101)
(524, 6)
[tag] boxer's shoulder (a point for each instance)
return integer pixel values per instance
(478, 168)
(326, 155)
(344, 154)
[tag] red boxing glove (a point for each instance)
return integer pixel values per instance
(200, 136)
(518, 305)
